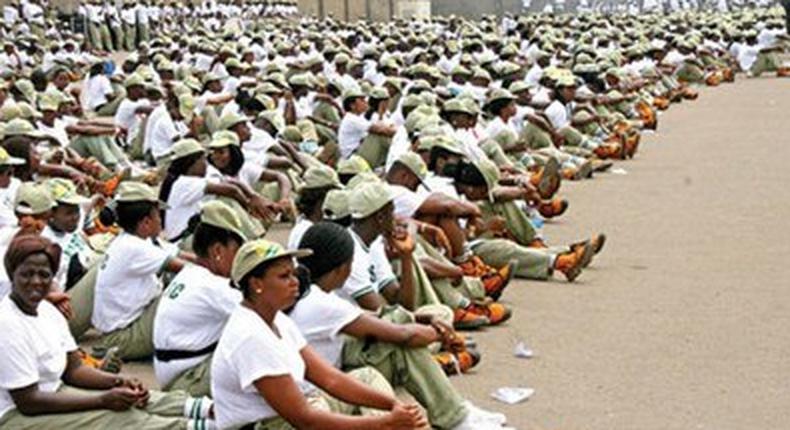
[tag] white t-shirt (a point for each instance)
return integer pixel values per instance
(370, 270)
(353, 128)
(126, 282)
(249, 350)
(7, 197)
(127, 118)
(97, 88)
(160, 133)
(407, 202)
(58, 129)
(558, 115)
(299, 229)
(320, 317)
(190, 316)
(184, 202)
(33, 349)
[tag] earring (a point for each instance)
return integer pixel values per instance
(258, 291)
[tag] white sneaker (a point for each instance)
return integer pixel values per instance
(495, 417)
(475, 421)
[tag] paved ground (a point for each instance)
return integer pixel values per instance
(682, 322)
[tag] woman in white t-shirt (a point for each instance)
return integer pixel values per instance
(98, 93)
(196, 305)
(389, 343)
(262, 362)
(228, 162)
(187, 185)
(41, 363)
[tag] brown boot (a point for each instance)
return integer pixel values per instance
(548, 183)
(553, 208)
(570, 263)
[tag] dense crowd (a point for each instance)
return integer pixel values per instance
(414, 163)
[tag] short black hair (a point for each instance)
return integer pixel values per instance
(348, 102)
(129, 214)
(207, 235)
(310, 199)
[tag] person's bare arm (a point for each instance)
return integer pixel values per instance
(382, 129)
(411, 335)
(442, 205)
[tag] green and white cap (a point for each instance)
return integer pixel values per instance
(64, 191)
(320, 177)
(256, 252)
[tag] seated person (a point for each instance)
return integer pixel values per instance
(43, 383)
(262, 362)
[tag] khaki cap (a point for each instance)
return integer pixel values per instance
(414, 163)
(208, 77)
(457, 105)
(133, 191)
(361, 179)
(220, 215)
(335, 205)
(186, 106)
(498, 94)
(230, 119)
(21, 127)
(64, 191)
(134, 79)
(353, 165)
(352, 93)
(445, 142)
(223, 138)
(8, 160)
(320, 177)
(32, 199)
(274, 118)
(185, 147)
(370, 198)
(292, 134)
(256, 252)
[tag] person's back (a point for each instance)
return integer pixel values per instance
(190, 316)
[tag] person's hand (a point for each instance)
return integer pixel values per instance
(400, 243)
(119, 399)
(445, 332)
(62, 302)
(263, 209)
(405, 416)
(436, 236)
(531, 194)
(289, 96)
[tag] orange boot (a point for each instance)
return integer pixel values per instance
(495, 283)
(571, 263)
(455, 363)
(553, 208)
(497, 313)
(469, 319)
(547, 180)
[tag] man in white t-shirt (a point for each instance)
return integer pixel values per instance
(133, 107)
(127, 286)
(354, 127)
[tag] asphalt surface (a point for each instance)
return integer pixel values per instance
(682, 322)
